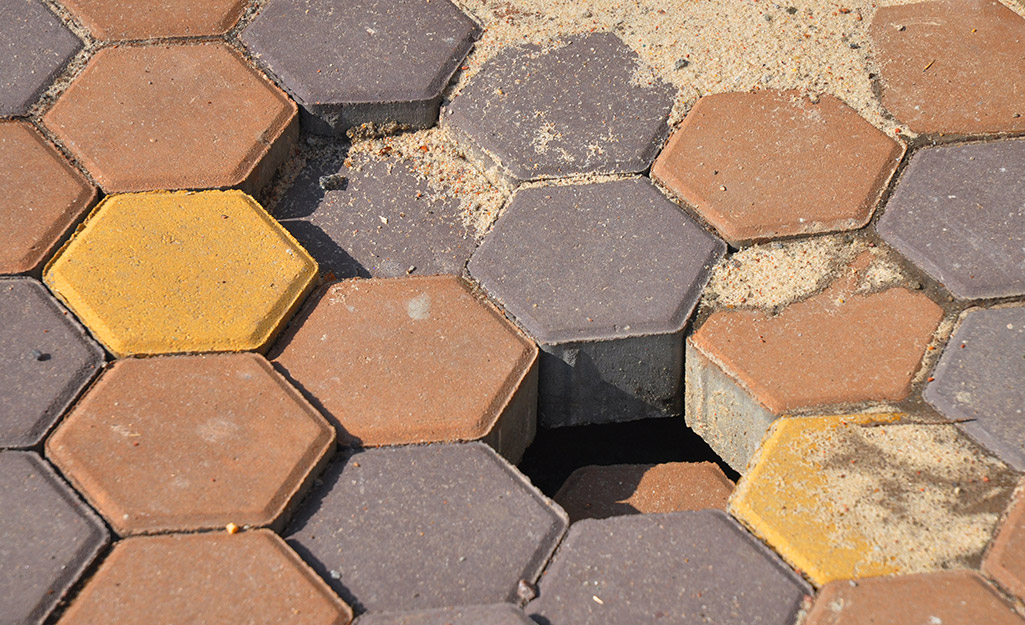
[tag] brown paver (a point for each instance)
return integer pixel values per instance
(251, 578)
(146, 19)
(174, 117)
(773, 163)
(41, 197)
(1005, 561)
(599, 492)
(414, 360)
(952, 66)
(237, 446)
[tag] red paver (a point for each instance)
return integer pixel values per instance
(1005, 561)
(952, 66)
(772, 163)
(41, 197)
(146, 19)
(252, 578)
(414, 360)
(237, 446)
(174, 117)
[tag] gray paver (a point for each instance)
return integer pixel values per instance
(957, 213)
(497, 614)
(678, 568)
(979, 377)
(34, 47)
(350, 62)
(586, 107)
(47, 359)
(47, 538)
(409, 528)
(604, 276)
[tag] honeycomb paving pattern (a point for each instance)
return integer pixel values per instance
(1005, 561)
(498, 614)
(36, 47)
(119, 20)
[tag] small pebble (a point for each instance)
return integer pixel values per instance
(791, 10)
(681, 63)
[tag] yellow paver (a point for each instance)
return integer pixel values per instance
(153, 273)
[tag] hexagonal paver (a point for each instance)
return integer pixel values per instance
(47, 359)
(957, 214)
(586, 107)
(498, 614)
(680, 568)
(238, 447)
(951, 66)
(604, 276)
(1005, 561)
(153, 273)
(34, 47)
(772, 163)
(847, 497)
(184, 116)
(251, 578)
(49, 538)
(842, 346)
(143, 19)
(353, 66)
(414, 360)
(419, 527)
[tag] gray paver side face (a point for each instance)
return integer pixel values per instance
(576, 109)
(47, 538)
(666, 569)
(47, 359)
(34, 47)
(499, 614)
(958, 214)
(983, 381)
(411, 528)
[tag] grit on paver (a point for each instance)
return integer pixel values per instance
(119, 20)
(239, 447)
(952, 66)
(1005, 561)
(498, 614)
(184, 116)
(586, 107)
(669, 569)
(414, 360)
(957, 213)
(41, 197)
(34, 48)
(353, 65)
(604, 277)
(47, 359)
(774, 163)
(944, 598)
(251, 578)
(848, 497)
(419, 527)
(154, 273)
(49, 538)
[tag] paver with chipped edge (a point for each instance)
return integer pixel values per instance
(34, 47)
(1005, 561)
(496, 614)
(119, 20)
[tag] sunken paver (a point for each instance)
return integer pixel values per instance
(944, 598)
(1005, 561)
(119, 20)
(586, 107)
(672, 569)
(496, 614)
(599, 492)
(414, 360)
(185, 116)
(421, 527)
(847, 497)
(250, 578)
(239, 447)
(47, 359)
(773, 163)
(41, 197)
(154, 273)
(604, 277)
(353, 65)
(747, 367)
(49, 538)
(957, 214)
(951, 66)
(34, 47)
(977, 381)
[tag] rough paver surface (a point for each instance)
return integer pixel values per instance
(35, 48)
(497, 614)
(119, 20)
(1005, 561)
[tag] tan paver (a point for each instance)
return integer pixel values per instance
(148, 19)
(1005, 561)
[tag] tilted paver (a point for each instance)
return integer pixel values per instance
(119, 20)
(678, 568)
(186, 116)
(34, 48)
(419, 527)
(604, 277)
(587, 106)
(47, 359)
(154, 273)
(496, 614)
(348, 62)
(1005, 561)
(772, 163)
